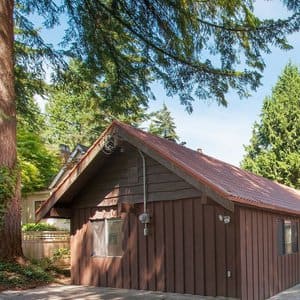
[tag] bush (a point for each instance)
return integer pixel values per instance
(14, 275)
(39, 227)
(61, 253)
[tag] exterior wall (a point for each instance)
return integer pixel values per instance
(121, 180)
(263, 271)
(189, 250)
(28, 205)
(28, 210)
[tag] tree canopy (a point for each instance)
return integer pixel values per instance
(77, 111)
(274, 150)
(196, 49)
(38, 164)
(163, 125)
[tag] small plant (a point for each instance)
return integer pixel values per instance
(39, 227)
(14, 275)
(61, 253)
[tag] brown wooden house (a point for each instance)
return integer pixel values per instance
(147, 213)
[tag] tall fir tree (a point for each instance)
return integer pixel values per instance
(78, 112)
(193, 47)
(163, 125)
(274, 150)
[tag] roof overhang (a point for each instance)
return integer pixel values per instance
(73, 182)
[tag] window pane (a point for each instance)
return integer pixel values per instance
(114, 237)
(280, 237)
(99, 238)
(294, 237)
(288, 236)
(38, 204)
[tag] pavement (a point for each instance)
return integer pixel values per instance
(67, 292)
(292, 293)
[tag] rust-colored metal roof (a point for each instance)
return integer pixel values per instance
(228, 181)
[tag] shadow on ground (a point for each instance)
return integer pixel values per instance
(93, 293)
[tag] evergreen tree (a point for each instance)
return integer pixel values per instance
(77, 110)
(193, 47)
(274, 150)
(163, 125)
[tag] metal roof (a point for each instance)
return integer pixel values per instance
(228, 181)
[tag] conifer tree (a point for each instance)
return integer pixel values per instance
(193, 47)
(163, 125)
(274, 149)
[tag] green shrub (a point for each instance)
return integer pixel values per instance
(14, 275)
(39, 227)
(61, 253)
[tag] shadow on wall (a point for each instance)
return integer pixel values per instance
(140, 267)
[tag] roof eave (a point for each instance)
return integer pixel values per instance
(74, 174)
(217, 194)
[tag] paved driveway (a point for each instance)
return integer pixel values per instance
(67, 292)
(291, 294)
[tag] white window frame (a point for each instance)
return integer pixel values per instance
(106, 237)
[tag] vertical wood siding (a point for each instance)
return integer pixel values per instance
(264, 272)
(189, 250)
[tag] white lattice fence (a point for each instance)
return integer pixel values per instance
(40, 244)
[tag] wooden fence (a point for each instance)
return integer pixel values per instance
(40, 244)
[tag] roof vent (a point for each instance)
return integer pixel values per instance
(200, 150)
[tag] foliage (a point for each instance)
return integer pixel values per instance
(194, 48)
(61, 253)
(274, 150)
(14, 275)
(38, 164)
(50, 264)
(32, 55)
(39, 227)
(8, 182)
(78, 112)
(163, 125)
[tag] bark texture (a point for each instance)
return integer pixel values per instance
(10, 231)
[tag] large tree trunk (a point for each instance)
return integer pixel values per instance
(10, 230)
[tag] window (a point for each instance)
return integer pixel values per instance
(38, 204)
(287, 237)
(107, 237)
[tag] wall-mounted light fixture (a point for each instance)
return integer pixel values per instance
(145, 219)
(225, 219)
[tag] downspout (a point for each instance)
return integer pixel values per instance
(144, 181)
(144, 217)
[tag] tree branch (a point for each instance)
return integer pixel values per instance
(199, 67)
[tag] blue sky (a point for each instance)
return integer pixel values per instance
(221, 132)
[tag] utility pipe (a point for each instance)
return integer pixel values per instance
(144, 218)
(144, 180)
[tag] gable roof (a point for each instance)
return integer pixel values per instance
(78, 151)
(225, 183)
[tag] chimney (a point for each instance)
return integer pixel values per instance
(64, 152)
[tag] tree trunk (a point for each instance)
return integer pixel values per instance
(10, 230)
